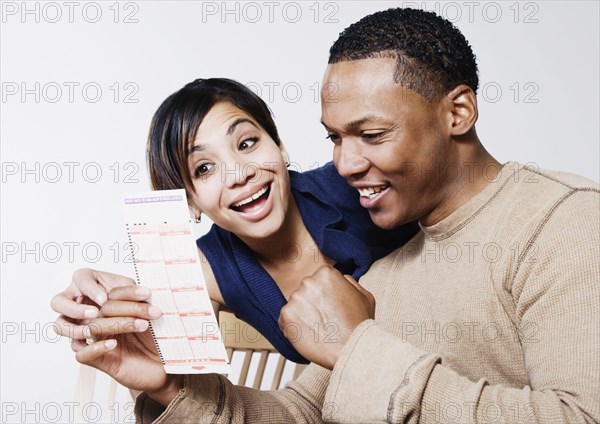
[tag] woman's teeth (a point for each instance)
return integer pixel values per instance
(371, 192)
(251, 198)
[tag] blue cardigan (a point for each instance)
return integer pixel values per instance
(342, 230)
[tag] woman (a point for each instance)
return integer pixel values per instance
(217, 139)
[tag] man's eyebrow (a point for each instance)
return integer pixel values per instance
(357, 123)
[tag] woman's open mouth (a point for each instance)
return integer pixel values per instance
(253, 203)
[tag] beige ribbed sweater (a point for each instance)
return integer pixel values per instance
(490, 316)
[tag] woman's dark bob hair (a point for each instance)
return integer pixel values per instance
(175, 123)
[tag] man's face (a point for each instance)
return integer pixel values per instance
(389, 142)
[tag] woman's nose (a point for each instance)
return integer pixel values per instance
(239, 172)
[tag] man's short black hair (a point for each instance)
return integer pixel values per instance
(432, 55)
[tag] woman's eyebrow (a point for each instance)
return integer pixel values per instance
(200, 147)
(197, 148)
(238, 121)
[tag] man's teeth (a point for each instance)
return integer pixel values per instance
(371, 192)
(251, 198)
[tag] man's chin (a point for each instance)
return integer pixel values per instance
(383, 220)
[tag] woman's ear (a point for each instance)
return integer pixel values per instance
(463, 109)
(197, 218)
(195, 214)
(284, 153)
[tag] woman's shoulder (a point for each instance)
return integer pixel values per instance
(331, 196)
(212, 240)
(217, 248)
(211, 282)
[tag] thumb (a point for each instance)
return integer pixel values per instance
(355, 284)
(368, 296)
(93, 355)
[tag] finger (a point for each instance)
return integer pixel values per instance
(110, 281)
(66, 328)
(66, 306)
(77, 345)
(366, 293)
(135, 293)
(356, 285)
(89, 284)
(96, 284)
(108, 327)
(90, 353)
(121, 308)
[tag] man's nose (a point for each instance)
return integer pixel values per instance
(349, 159)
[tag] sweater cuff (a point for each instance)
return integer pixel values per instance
(199, 398)
(377, 378)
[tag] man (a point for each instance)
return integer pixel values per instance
(489, 314)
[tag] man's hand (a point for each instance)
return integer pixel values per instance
(323, 312)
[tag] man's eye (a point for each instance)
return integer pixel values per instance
(247, 143)
(372, 136)
(203, 169)
(333, 137)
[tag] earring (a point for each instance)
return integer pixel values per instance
(198, 219)
(287, 164)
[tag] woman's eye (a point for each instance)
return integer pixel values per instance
(203, 169)
(247, 143)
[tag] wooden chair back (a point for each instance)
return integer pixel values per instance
(241, 338)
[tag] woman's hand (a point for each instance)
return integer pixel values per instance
(81, 300)
(124, 348)
(111, 312)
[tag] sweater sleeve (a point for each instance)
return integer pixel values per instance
(557, 296)
(211, 398)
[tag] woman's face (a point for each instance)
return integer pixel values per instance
(239, 174)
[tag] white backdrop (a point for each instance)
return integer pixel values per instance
(80, 81)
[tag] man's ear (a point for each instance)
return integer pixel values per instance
(463, 108)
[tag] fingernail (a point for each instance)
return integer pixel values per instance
(110, 344)
(142, 291)
(154, 312)
(100, 299)
(90, 313)
(141, 325)
(86, 332)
